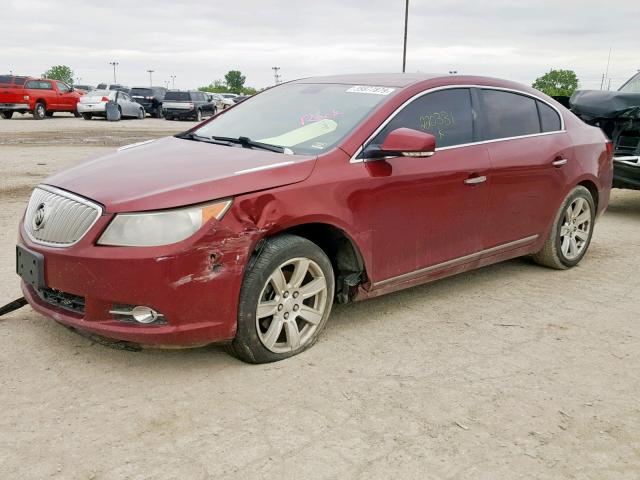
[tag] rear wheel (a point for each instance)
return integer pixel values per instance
(158, 113)
(6, 115)
(87, 116)
(571, 233)
(39, 111)
(198, 115)
(76, 114)
(285, 300)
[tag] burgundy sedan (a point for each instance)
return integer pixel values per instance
(246, 229)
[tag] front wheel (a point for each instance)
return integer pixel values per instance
(141, 114)
(6, 115)
(285, 300)
(571, 233)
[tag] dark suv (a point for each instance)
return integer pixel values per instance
(150, 98)
(191, 104)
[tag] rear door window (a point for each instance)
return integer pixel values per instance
(177, 96)
(445, 114)
(101, 86)
(507, 114)
(549, 118)
(38, 85)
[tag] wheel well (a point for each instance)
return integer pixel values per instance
(344, 255)
(593, 190)
(41, 100)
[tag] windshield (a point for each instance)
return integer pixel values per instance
(307, 118)
(632, 86)
(178, 96)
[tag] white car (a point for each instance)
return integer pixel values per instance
(226, 100)
(94, 104)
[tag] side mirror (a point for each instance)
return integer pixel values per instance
(407, 142)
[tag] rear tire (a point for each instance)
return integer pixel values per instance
(39, 111)
(571, 233)
(6, 115)
(76, 114)
(87, 116)
(198, 115)
(158, 113)
(49, 114)
(285, 300)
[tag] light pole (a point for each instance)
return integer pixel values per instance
(406, 23)
(114, 65)
(173, 81)
(276, 75)
(150, 77)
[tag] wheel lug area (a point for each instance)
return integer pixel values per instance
(280, 307)
(285, 294)
(286, 315)
(296, 294)
(296, 308)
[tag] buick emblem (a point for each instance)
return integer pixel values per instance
(39, 217)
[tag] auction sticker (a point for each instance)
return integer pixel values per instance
(371, 89)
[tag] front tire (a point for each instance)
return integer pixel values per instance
(285, 300)
(141, 114)
(6, 115)
(571, 233)
(39, 111)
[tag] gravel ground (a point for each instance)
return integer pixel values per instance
(511, 371)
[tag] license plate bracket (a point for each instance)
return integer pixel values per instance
(30, 266)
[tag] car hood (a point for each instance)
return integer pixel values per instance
(172, 172)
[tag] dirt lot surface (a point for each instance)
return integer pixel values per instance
(511, 371)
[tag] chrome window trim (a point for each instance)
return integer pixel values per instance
(354, 158)
(71, 196)
(457, 261)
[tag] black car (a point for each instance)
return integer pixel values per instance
(150, 98)
(191, 104)
(618, 115)
(86, 88)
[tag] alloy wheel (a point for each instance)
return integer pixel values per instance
(291, 305)
(575, 229)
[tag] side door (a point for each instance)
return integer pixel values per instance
(430, 212)
(65, 97)
(126, 103)
(529, 151)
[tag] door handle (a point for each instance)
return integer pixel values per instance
(559, 162)
(475, 180)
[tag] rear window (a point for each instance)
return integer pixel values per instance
(9, 79)
(38, 85)
(508, 115)
(178, 96)
(144, 92)
(101, 86)
(6, 79)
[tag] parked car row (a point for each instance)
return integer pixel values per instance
(44, 97)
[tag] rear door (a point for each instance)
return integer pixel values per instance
(430, 212)
(528, 150)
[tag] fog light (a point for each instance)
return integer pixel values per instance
(144, 314)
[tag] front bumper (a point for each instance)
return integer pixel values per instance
(626, 173)
(14, 106)
(195, 284)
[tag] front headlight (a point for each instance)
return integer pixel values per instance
(151, 229)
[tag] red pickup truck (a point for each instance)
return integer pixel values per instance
(41, 97)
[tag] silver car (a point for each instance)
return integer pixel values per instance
(94, 104)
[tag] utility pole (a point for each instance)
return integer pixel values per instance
(114, 65)
(150, 77)
(406, 23)
(606, 74)
(173, 81)
(276, 75)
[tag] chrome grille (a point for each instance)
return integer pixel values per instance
(57, 218)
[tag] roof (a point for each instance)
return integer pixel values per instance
(379, 79)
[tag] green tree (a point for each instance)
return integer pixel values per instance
(557, 83)
(217, 86)
(234, 81)
(59, 72)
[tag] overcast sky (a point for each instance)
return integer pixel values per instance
(199, 41)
